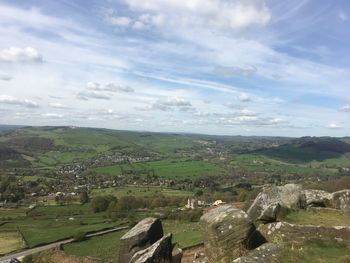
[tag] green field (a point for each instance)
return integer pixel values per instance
(317, 217)
(10, 241)
(260, 163)
(140, 191)
(184, 233)
(171, 169)
(103, 140)
(106, 247)
(55, 158)
(315, 252)
(51, 223)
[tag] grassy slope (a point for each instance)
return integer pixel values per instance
(106, 247)
(315, 252)
(319, 217)
(260, 163)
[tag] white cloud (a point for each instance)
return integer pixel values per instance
(246, 112)
(346, 108)
(244, 97)
(334, 126)
(224, 14)
(6, 99)
(138, 25)
(342, 16)
(59, 106)
(111, 87)
(171, 103)
(53, 115)
(5, 77)
(117, 87)
(235, 71)
(86, 95)
(20, 55)
(123, 21)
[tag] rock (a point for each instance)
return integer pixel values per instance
(159, 252)
(317, 198)
(341, 200)
(266, 253)
(269, 214)
(144, 234)
(285, 232)
(289, 195)
(177, 255)
(228, 232)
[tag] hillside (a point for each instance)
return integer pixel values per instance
(307, 149)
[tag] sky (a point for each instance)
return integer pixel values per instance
(231, 67)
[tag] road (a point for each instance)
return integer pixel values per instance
(55, 244)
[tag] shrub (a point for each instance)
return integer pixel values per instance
(80, 236)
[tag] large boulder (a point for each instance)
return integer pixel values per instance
(144, 234)
(341, 200)
(317, 198)
(283, 231)
(159, 252)
(289, 195)
(228, 233)
(177, 255)
(269, 214)
(266, 253)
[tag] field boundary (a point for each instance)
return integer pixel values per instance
(23, 238)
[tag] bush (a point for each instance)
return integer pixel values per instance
(80, 236)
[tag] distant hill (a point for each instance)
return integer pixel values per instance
(4, 128)
(308, 149)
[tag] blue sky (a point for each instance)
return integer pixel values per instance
(249, 67)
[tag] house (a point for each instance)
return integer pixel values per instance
(192, 203)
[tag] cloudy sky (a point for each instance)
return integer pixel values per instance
(249, 67)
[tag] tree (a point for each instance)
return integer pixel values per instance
(83, 197)
(199, 193)
(101, 203)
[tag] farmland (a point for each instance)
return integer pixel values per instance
(51, 223)
(61, 181)
(140, 191)
(169, 169)
(10, 241)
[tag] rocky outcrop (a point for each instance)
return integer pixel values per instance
(266, 253)
(289, 195)
(177, 255)
(145, 243)
(159, 252)
(317, 198)
(144, 234)
(286, 232)
(269, 214)
(227, 233)
(341, 200)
